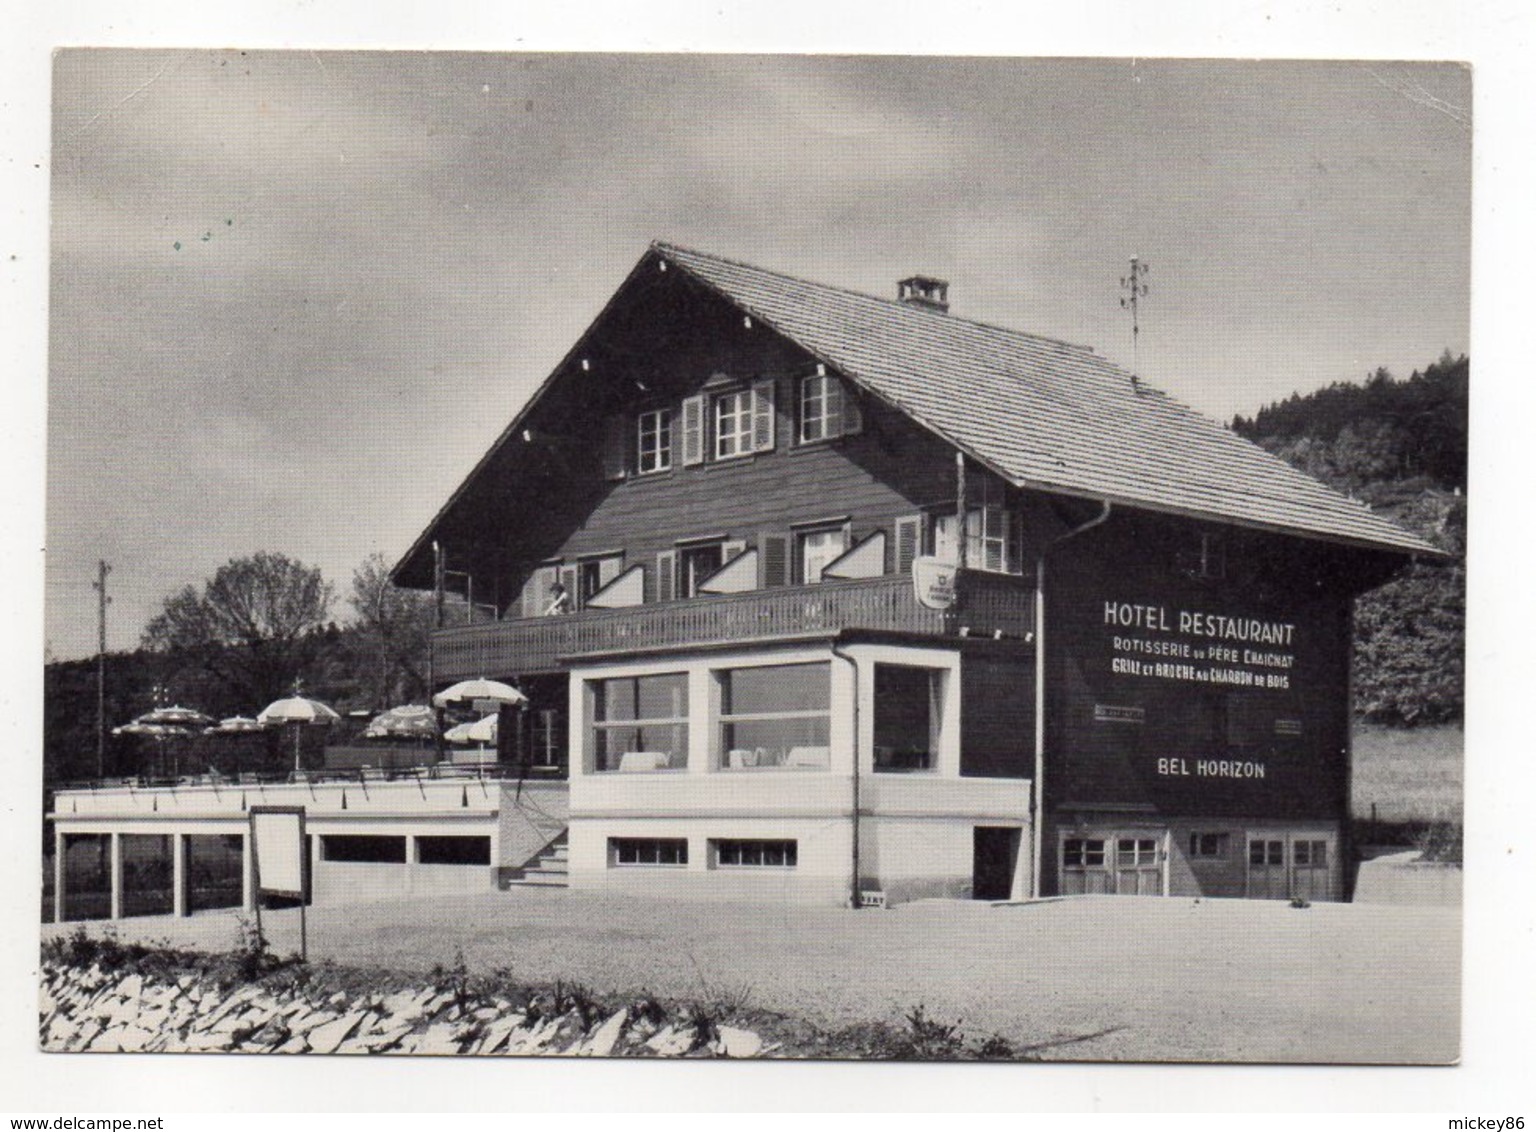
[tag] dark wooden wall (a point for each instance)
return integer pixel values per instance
(997, 714)
(1115, 764)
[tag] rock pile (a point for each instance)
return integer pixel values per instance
(91, 1009)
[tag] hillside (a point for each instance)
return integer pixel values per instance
(1401, 446)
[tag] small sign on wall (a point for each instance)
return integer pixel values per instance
(1287, 727)
(1115, 713)
(934, 581)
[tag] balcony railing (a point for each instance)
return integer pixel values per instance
(992, 604)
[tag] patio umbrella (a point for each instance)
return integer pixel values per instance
(297, 712)
(469, 691)
(458, 734)
(484, 730)
(234, 725)
(408, 721)
(175, 716)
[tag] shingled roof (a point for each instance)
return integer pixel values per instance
(1044, 414)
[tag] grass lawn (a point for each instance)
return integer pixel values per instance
(1410, 775)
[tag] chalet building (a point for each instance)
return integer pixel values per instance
(869, 601)
(863, 602)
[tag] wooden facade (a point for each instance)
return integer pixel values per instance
(1161, 667)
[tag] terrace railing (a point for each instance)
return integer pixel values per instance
(993, 604)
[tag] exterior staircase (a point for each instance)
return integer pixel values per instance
(549, 869)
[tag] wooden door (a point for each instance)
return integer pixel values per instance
(1267, 874)
(1138, 865)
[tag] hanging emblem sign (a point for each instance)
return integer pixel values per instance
(934, 582)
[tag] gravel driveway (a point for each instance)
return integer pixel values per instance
(1109, 978)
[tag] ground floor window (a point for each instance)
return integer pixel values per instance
(1083, 852)
(640, 722)
(756, 854)
(453, 850)
(363, 849)
(776, 715)
(1208, 845)
(1113, 863)
(907, 712)
(648, 850)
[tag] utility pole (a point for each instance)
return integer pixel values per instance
(102, 601)
(1135, 286)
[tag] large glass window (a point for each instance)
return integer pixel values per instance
(640, 722)
(776, 716)
(654, 452)
(733, 424)
(907, 708)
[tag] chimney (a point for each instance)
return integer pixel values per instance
(924, 291)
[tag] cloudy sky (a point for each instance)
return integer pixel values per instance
(296, 295)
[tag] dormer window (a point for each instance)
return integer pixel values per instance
(654, 447)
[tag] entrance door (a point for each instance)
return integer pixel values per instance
(1266, 869)
(1113, 863)
(1283, 866)
(1310, 876)
(1138, 866)
(996, 853)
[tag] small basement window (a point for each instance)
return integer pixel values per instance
(453, 850)
(1211, 846)
(666, 851)
(360, 849)
(735, 853)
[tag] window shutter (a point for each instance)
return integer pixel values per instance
(909, 541)
(536, 590)
(773, 560)
(615, 448)
(693, 431)
(853, 412)
(762, 415)
(666, 575)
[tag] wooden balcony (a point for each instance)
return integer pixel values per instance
(991, 604)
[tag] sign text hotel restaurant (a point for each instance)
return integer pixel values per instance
(1197, 646)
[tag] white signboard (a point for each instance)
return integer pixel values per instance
(277, 839)
(934, 581)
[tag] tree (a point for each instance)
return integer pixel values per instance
(394, 631)
(254, 626)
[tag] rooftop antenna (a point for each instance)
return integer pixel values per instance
(1135, 286)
